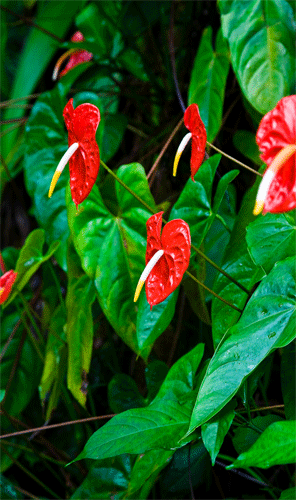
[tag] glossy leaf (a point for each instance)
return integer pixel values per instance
(214, 431)
(245, 436)
(30, 259)
(105, 477)
(275, 446)
(237, 263)
(115, 126)
(194, 202)
(160, 425)
(146, 469)
(261, 39)
(208, 80)
(112, 247)
(152, 322)
(271, 238)
(80, 297)
(288, 380)
(267, 323)
(174, 481)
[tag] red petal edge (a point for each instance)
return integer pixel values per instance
(195, 125)
(6, 282)
(169, 270)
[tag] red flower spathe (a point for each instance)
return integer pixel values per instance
(173, 247)
(83, 153)
(276, 138)
(198, 134)
(76, 56)
(6, 282)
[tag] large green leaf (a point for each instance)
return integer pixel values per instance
(46, 141)
(275, 446)
(28, 373)
(194, 204)
(112, 247)
(151, 323)
(245, 436)
(80, 297)
(30, 259)
(105, 478)
(267, 323)
(261, 38)
(146, 469)
(214, 431)
(271, 238)
(208, 80)
(288, 380)
(160, 425)
(33, 61)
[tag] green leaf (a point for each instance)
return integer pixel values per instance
(30, 259)
(288, 380)
(261, 39)
(46, 141)
(34, 62)
(267, 323)
(208, 81)
(151, 323)
(114, 129)
(79, 329)
(123, 393)
(174, 481)
(160, 425)
(214, 431)
(112, 247)
(288, 494)
(105, 478)
(245, 437)
(28, 373)
(146, 469)
(275, 446)
(271, 238)
(245, 143)
(55, 343)
(194, 202)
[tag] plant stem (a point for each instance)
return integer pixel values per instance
(26, 471)
(212, 292)
(233, 159)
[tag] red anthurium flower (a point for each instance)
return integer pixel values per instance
(276, 138)
(6, 282)
(167, 258)
(76, 56)
(83, 153)
(198, 134)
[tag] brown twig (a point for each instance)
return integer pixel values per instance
(26, 20)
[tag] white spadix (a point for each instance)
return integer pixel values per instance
(63, 162)
(146, 272)
(270, 173)
(60, 62)
(180, 150)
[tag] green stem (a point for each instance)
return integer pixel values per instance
(192, 246)
(223, 222)
(31, 336)
(27, 309)
(212, 292)
(233, 159)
